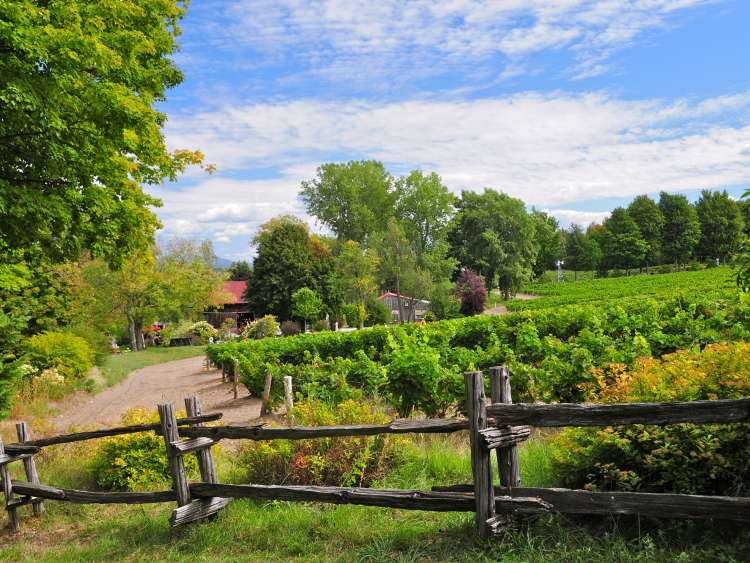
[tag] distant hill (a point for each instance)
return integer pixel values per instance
(222, 263)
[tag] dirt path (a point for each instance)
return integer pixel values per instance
(171, 381)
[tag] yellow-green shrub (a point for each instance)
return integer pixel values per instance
(135, 461)
(684, 458)
(325, 461)
(68, 354)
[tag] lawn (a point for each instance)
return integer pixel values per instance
(282, 531)
(118, 366)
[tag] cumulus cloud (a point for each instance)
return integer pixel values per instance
(567, 217)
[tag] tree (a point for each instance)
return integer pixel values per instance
(682, 230)
(398, 265)
(471, 291)
(548, 240)
(622, 243)
(79, 133)
(282, 265)
(582, 252)
(492, 234)
(356, 268)
(721, 224)
(650, 220)
(306, 304)
(354, 199)
(240, 271)
(424, 207)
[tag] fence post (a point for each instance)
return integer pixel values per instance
(205, 457)
(288, 397)
(507, 458)
(235, 376)
(481, 464)
(176, 464)
(266, 393)
(8, 491)
(29, 465)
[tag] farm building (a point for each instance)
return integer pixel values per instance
(414, 309)
(236, 307)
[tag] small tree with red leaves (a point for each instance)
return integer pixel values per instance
(471, 292)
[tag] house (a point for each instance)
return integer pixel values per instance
(236, 306)
(414, 309)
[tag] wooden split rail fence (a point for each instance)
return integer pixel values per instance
(499, 426)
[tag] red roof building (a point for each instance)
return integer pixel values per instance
(236, 306)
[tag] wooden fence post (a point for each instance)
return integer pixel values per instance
(205, 457)
(29, 465)
(481, 464)
(507, 457)
(288, 397)
(8, 491)
(176, 463)
(265, 409)
(235, 376)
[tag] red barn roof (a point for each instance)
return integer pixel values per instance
(237, 290)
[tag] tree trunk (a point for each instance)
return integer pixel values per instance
(399, 301)
(138, 329)
(131, 333)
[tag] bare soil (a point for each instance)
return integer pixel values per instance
(167, 382)
(503, 310)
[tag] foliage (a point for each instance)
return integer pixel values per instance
(722, 225)
(263, 327)
(378, 313)
(348, 462)
(622, 244)
(493, 235)
(548, 240)
(281, 267)
(682, 458)
(306, 304)
(650, 220)
(100, 343)
(67, 353)
(240, 271)
(289, 328)
(682, 229)
(551, 351)
(79, 128)
(582, 252)
(135, 461)
(356, 268)
(355, 199)
(471, 291)
(204, 330)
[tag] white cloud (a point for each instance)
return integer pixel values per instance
(546, 149)
(566, 217)
(339, 38)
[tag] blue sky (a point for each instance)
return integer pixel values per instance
(574, 106)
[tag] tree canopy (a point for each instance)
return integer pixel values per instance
(650, 220)
(682, 229)
(622, 242)
(79, 134)
(721, 224)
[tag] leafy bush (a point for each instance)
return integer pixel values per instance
(321, 325)
(204, 330)
(471, 292)
(290, 328)
(552, 352)
(378, 313)
(98, 341)
(135, 461)
(263, 327)
(68, 354)
(681, 458)
(325, 461)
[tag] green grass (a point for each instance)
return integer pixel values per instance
(603, 290)
(282, 531)
(117, 366)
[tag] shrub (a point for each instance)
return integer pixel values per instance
(135, 461)
(378, 313)
(681, 458)
(98, 341)
(289, 328)
(471, 292)
(321, 325)
(204, 330)
(325, 461)
(68, 354)
(263, 327)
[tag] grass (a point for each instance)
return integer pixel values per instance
(117, 366)
(282, 531)
(603, 290)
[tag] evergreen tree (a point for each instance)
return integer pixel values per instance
(650, 220)
(682, 230)
(722, 225)
(622, 243)
(239, 271)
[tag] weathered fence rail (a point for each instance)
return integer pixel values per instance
(500, 426)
